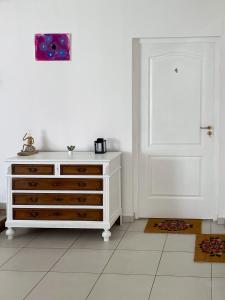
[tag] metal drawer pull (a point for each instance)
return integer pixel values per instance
(33, 170)
(57, 183)
(82, 215)
(59, 199)
(56, 213)
(32, 199)
(34, 214)
(82, 170)
(33, 184)
(81, 184)
(82, 200)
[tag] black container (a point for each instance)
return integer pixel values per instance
(100, 146)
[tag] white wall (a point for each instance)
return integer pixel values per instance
(74, 102)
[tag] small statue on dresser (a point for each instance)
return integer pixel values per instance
(28, 148)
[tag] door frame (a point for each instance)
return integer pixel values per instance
(136, 104)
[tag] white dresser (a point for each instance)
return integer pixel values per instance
(59, 190)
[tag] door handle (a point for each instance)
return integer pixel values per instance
(206, 127)
(209, 128)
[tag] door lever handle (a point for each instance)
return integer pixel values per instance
(209, 128)
(206, 127)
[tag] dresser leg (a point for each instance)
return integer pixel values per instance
(106, 235)
(10, 233)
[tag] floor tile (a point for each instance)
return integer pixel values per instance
(92, 239)
(182, 264)
(30, 259)
(7, 253)
(15, 285)
(83, 260)
(218, 288)
(218, 270)
(220, 229)
(55, 238)
(142, 241)
(180, 242)
(22, 237)
(138, 225)
(206, 226)
(134, 262)
(181, 288)
(67, 286)
(124, 287)
(122, 227)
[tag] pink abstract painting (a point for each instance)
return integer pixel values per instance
(52, 46)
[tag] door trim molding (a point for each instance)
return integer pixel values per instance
(135, 48)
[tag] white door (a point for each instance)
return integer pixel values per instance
(177, 173)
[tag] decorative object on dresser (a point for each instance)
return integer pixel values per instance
(54, 190)
(70, 149)
(100, 146)
(28, 147)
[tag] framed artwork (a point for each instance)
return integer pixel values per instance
(52, 46)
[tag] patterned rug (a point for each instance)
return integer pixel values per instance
(210, 248)
(184, 226)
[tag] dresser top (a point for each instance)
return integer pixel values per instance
(64, 156)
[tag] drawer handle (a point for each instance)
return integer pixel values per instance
(82, 200)
(81, 184)
(33, 184)
(33, 170)
(56, 213)
(58, 199)
(33, 199)
(57, 184)
(34, 214)
(82, 215)
(82, 170)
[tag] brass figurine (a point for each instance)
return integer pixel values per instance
(28, 148)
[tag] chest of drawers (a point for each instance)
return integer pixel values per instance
(55, 190)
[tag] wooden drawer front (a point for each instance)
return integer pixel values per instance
(33, 169)
(57, 184)
(58, 214)
(57, 199)
(81, 169)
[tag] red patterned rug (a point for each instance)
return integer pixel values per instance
(184, 226)
(210, 248)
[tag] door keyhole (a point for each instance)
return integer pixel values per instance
(176, 70)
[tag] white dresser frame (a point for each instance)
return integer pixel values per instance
(111, 176)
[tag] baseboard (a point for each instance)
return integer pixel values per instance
(128, 219)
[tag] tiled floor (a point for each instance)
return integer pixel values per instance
(77, 265)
